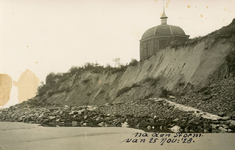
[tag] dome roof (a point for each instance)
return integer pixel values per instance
(163, 30)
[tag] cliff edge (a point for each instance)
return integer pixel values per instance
(177, 69)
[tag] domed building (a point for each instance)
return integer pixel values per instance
(159, 37)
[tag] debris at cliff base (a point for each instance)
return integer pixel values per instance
(152, 115)
(217, 98)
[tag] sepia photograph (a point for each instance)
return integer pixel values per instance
(117, 74)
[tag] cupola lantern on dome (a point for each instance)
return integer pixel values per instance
(164, 17)
(159, 37)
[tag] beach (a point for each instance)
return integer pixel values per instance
(22, 136)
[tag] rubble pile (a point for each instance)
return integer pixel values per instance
(145, 114)
(216, 98)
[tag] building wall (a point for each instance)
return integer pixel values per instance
(151, 46)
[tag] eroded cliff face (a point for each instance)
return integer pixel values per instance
(180, 68)
(193, 65)
(174, 69)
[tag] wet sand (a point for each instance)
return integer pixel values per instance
(21, 136)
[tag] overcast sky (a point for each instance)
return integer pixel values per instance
(53, 35)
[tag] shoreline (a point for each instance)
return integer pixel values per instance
(22, 136)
